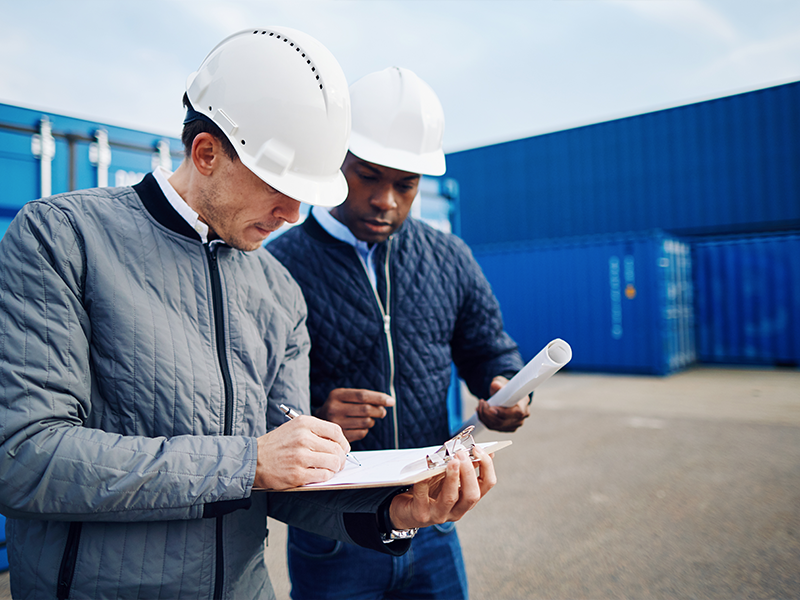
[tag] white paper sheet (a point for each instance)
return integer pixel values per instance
(385, 468)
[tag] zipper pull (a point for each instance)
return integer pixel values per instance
(387, 323)
(212, 256)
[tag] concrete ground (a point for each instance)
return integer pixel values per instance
(637, 487)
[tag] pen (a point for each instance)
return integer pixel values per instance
(292, 413)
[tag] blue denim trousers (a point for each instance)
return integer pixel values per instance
(325, 569)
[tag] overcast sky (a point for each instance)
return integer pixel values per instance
(503, 69)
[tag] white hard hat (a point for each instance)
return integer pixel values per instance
(398, 122)
(281, 98)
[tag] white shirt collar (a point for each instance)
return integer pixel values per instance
(179, 204)
(335, 227)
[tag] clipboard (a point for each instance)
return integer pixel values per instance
(398, 468)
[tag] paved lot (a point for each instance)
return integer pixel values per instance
(637, 487)
(684, 487)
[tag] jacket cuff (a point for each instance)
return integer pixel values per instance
(363, 530)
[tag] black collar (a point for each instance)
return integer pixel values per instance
(161, 210)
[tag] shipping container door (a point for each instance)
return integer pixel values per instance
(618, 301)
(748, 300)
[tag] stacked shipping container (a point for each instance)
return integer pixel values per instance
(46, 153)
(718, 167)
(3, 549)
(748, 300)
(624, 303)
(723, 167)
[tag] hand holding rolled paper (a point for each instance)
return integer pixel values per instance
(539, 369)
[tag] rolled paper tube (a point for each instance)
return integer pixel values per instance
(539, 369)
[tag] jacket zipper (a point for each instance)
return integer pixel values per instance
(219, 327)
(67, 570)
(387, 330)
(219, 322)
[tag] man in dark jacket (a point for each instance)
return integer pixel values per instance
(147, 339)
(392, 303)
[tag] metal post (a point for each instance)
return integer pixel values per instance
(100, 155)
(162, 157)
(43, 146)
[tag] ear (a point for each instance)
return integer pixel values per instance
(206, 151)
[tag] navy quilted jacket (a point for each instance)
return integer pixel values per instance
(440, 310)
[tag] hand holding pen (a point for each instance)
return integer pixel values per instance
(291, 414)
(304, 450)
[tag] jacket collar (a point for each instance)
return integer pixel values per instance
(161, 210)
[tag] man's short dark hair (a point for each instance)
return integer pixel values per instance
(193, 128)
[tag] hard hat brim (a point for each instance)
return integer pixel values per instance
(316, 191)
(430, 163)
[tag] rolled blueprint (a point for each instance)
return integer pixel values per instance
(540, 368)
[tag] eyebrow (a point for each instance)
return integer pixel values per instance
(370, 168)
(375, 171)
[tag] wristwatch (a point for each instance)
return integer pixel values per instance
(398, 534)
(385, 526)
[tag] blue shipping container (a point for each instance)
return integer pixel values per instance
(624, 303)
(45, 153)
(3, 549)
(747, 294)
(728, 165)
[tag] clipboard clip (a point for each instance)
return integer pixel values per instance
(461, 441)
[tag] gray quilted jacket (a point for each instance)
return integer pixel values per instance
(137, 368)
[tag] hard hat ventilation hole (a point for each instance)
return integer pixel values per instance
(292, 44)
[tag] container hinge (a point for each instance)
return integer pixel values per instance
(43, 146)
(100, 155)
(162, 156)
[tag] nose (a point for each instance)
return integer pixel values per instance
(384, 199)
(287, 209)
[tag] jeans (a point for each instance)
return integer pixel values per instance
(325, 569)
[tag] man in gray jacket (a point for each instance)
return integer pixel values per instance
(146, 340)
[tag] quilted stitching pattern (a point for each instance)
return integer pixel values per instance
(114, 421)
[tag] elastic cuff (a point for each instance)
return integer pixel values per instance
(363, 530)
